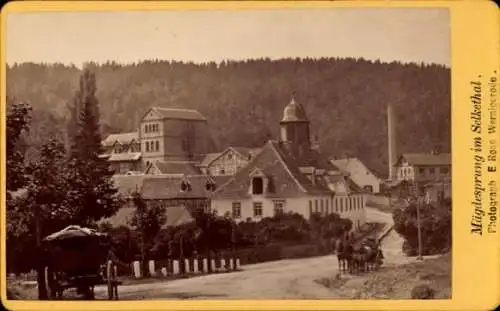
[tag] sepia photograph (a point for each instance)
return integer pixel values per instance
(294, 153)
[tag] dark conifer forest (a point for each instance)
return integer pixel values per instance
(345, 100)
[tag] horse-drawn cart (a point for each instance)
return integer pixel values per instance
(359, 256)
(79, 258)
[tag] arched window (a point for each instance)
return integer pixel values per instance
(147, 146)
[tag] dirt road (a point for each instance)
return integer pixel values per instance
(284, 279)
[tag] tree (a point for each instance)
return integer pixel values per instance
(18, 120)
(91, 188)
(18, 218)
(435, 224)
(43, 209)
(47, 198)
(147, 220)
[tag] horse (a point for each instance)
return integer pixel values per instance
(344, 255)
(367, 257)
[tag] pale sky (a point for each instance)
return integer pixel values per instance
(407, 35)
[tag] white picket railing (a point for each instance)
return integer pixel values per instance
(173, 267)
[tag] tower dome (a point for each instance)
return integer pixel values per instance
(294, 112)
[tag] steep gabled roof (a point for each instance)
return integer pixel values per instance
(177, 113)
(354, 167)
(170, 187)
(426, 158)
(310, 158)
(175, 168)
(276, 162)
(268, 162)
(245, 152)
(209, 158)
(122, 138)
(125, 157)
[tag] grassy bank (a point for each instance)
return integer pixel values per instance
(395, 282)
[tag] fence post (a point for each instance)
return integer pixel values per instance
(137, 269)
(205, 265)
(175, 267)
(152, 271)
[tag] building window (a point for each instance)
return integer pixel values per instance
(257, 185)
(279, 207)
(147, 146)
(421, 170)
(157, 145)
(236, 210)
(432, 170)
(327, 203)
(229, 156)
(368, 188)
(315, 206)
(310, 207)
(185, 186)
(341, 205)
(222, 171)
(444, 170)
(257, 209)
(322, 206)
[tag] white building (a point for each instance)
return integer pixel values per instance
(290, 175)
(359, 173)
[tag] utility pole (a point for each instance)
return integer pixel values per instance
(419, 231)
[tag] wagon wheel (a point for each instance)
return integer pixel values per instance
(111, 276)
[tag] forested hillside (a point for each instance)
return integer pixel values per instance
(345, 99)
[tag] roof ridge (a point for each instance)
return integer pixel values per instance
(233, 177)
(175, 108)
(287, 169)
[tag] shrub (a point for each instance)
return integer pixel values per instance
(435, 223)
(422, 292)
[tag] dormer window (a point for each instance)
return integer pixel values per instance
(210, 186)
(185, 186)
(257, 185)
(260, 183)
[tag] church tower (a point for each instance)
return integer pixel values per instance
(294, 128)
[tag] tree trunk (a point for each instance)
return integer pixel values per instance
(144, 264)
